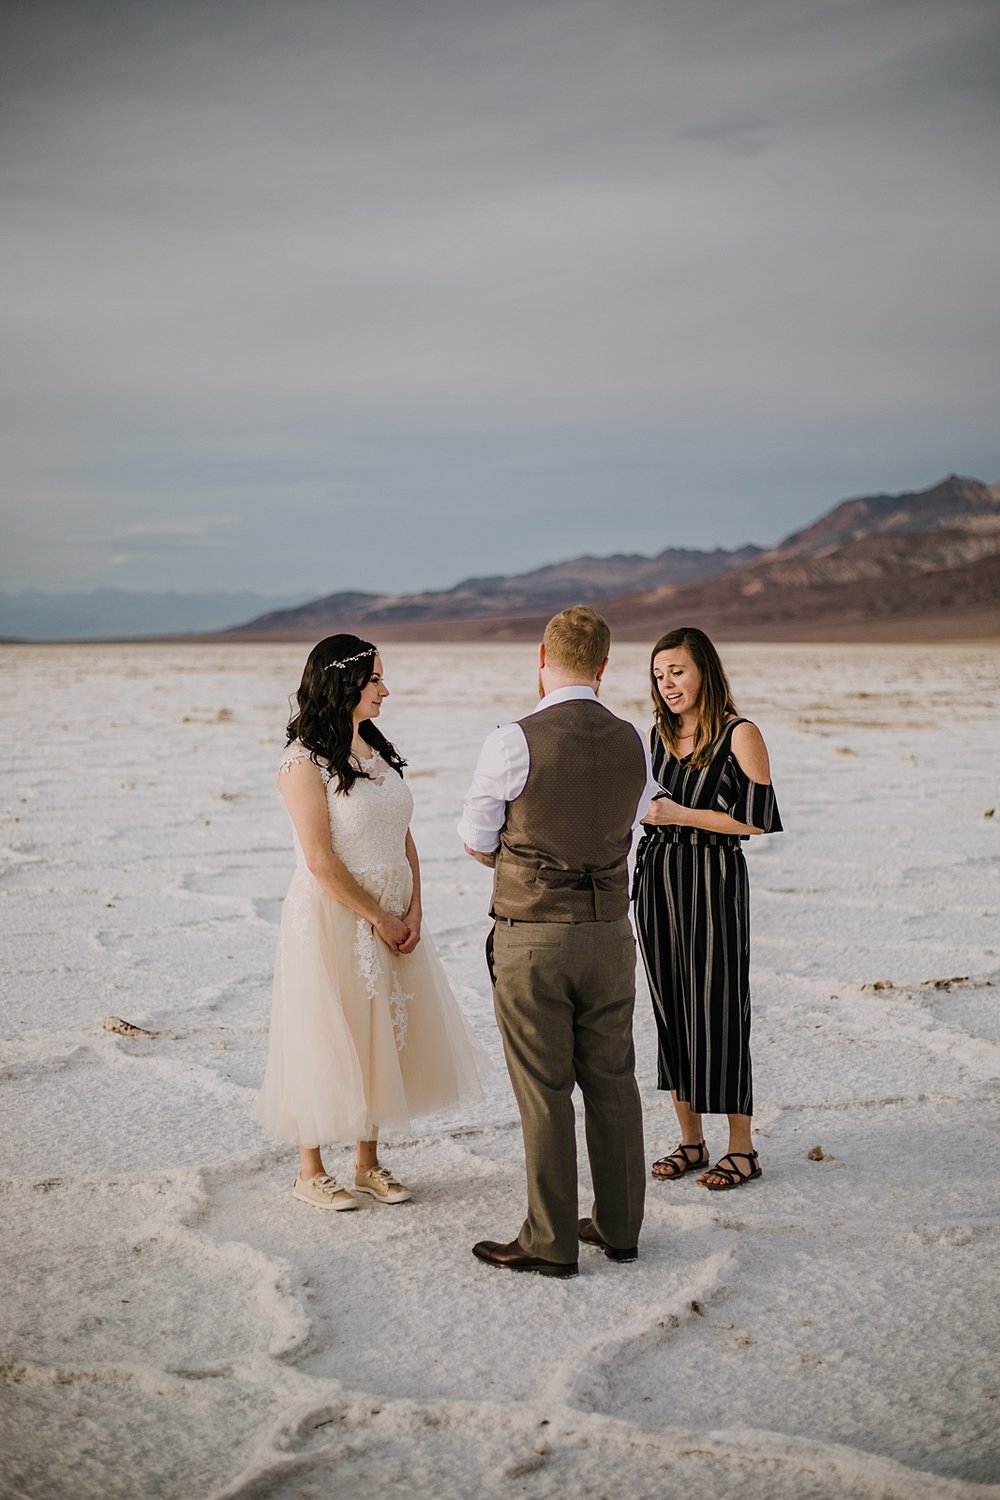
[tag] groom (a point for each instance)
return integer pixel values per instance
(552, 805)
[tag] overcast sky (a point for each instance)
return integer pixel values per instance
(302, 295)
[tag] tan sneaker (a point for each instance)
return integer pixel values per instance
(379, 1183)
(323, 1192)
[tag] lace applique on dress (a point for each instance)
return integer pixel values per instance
(398, 1002)
(293, 755)
(366, 766)
(395, 891)
(367, 956)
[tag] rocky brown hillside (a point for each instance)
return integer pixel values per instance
(871, 557)
(546, 589)
(955, 498)
(913, 604)
(945, 604)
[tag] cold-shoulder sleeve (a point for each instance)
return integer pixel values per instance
(747, 801)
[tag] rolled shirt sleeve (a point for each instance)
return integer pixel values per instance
(652, 789)
(500, 776)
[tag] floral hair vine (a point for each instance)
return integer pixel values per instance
(360, 656)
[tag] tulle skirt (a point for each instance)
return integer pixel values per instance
(362, 1039)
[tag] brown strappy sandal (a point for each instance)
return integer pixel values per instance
(734, 1176)
(678, 1162)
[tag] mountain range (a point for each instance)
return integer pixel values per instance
(544, 589)
(33, 614)
(915, 565)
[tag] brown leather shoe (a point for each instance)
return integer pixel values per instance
(513, 1257)
(592, 1236)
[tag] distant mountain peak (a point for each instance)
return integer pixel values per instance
(952, 499)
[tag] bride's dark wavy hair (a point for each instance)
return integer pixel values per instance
(327, 698)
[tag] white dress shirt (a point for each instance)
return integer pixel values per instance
(502, 771)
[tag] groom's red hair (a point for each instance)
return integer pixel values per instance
(577, 641)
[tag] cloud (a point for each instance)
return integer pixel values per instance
(172, 536)
(663, 271)
(744, 136)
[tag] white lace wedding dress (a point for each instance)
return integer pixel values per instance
(362, 1039)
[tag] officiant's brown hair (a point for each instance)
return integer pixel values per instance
(577, 640)
(715, 704)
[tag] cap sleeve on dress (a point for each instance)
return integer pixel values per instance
(297, 752)
(746, 801)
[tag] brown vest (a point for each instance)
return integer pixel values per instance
(564, 846)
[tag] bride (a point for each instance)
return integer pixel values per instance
(365, 1031)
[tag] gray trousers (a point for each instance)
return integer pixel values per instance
(564, 996)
